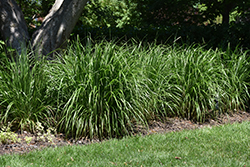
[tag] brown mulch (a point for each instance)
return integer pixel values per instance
(170, 125)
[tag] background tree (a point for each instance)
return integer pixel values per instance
(214, 8)
(110, 13)
(57, 26)
(139, 13)
(167, 12)
(53, 32)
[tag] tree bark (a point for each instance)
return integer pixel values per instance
(51, 35)
(57, 26)
(227, 8)
(13, 27)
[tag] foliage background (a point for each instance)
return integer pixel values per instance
(190, 21)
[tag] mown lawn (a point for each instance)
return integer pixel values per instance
(226, 145)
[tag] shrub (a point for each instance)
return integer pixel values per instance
(211, 36)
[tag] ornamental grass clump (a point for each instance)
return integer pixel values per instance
(23, 91)
(237, 83)
(98, 91)
(105, 89)
(108, 89)
(196, 79)
(195, 83)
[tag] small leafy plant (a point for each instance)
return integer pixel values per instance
(42, 136)
(28, 139)
(6, 136)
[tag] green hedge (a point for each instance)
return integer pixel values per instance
(212, 36)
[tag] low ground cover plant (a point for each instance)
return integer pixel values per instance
(7, 136)
(105, 89)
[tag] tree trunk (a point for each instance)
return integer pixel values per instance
(227, 8)
(57, 25)
(225, 17)
(51, 35)
(13, 27)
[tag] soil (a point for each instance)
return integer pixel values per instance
(170, 125)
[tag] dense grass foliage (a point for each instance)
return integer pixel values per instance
(226, 145)
(100, 89)
(103, 90)
(23, 91)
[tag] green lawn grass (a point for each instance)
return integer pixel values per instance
(226, 145)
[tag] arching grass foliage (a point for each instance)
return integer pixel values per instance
(104, 90)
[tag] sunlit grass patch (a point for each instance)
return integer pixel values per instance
(226, 145)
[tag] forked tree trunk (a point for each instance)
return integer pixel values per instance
(57, 25)
(51, 35)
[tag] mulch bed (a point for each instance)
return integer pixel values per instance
(170, 125)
